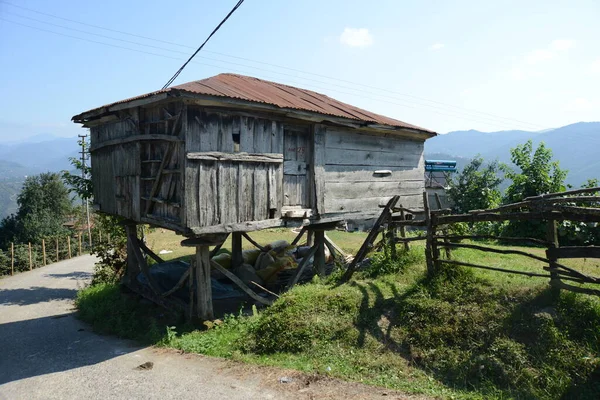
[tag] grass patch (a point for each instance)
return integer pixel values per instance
(465, 334)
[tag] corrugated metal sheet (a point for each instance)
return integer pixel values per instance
(276, 94)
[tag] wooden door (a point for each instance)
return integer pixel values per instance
(295, 167)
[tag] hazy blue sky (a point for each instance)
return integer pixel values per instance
(443, 65)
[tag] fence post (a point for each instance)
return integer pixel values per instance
(57, 251)
(429, 243)
(30, 261)
(99, 236)
(69, 245)
(12, 258)
(108, 238)
(552, 237)
(438, 200)
(44, 250)
(79, 240)
(403, 228)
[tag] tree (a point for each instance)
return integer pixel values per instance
(475, 187)
(538, 173)
(44, 206)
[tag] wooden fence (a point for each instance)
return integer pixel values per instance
(27, 256)
(581, 206)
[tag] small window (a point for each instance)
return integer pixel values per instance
(236, 142)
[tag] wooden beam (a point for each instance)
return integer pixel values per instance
(465, 264)
(491, 250)
(135, 138)
(240, 284)
(301, 267)
(236, 250)
(561, 194)
(299, 236)
(165, 161)
(319, 261)
(561, 285)
(236, 157)
(248, 226)
(147, 250)
(254, 243)
(204, 304)
(205, 240)
(179, 284)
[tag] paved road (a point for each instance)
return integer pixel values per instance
(47, 353)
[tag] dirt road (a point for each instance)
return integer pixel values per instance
(47, 353)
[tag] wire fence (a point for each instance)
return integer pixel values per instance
(21, 257)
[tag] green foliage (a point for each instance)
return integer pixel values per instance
(537, 174)
(80, 183)
(44, 206)
(109, 310)
(581, 233)
(113, 257)
(382, 263)
(475, 187)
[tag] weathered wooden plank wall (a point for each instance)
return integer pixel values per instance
(225, 192)
(353, 173)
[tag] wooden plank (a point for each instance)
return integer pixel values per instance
(207, 193)
(236, 250)
(247, 134)
(157, 181)
(301, 267)
(465, 264)
(567, 193)
(247, 226)
(335, 205)
(318, 163)
(319, 260)
(574, 252)
(276, 137)
(240, 284)
(368, 243)
(352, 140)
(209, 131)
(236, 157)
(371, 158)
(490, 249)
(561, 285)
(226, 144)
(246, 192)
(294, 168)
(204, 304)
(429, 253)
(260, 193)
(134, 138)
(272, 188)
(349, 173)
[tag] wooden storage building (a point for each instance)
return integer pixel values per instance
(233, 153)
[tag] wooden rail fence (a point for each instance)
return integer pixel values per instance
(581, 206)
(27, 256)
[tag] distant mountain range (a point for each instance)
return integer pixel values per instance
(36, 155)
(575, 146)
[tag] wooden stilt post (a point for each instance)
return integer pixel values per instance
(319, 260)
(69, 245)
(30, 260)
(57, 251)
(133, 267)
(79, 241)
(236, 250)
(108, 237)
(310, 238)
(99, 236)
(203, 285)
(12, 258)
(44, 251)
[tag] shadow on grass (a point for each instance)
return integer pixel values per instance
(514, 343)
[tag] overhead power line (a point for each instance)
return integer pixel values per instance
(454, 107)
(362, 96)
(238, 4)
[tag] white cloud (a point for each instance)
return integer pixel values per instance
(517, 73)
(562, 44)
(356, 37)
(437, 46)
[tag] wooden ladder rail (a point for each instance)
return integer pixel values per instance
(368, 243)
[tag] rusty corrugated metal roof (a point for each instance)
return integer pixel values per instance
(276, 94)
